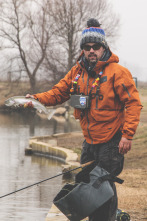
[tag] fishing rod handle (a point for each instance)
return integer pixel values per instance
(86, 164)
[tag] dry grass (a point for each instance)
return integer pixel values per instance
(8, 90)
(133, 193)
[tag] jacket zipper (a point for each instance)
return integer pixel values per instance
(87, 114)
(88, 129)
(97, 95)
(97, 101)
(87, 84)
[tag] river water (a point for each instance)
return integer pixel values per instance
(18, 171)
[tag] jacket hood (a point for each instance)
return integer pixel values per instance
(112, 59)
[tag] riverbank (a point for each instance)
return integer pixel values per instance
(50, 146)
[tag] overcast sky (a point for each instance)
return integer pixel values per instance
(132, 44)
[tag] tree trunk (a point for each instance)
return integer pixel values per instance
(70, 58)
(33, 85)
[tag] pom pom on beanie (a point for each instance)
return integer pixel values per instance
(93, 34)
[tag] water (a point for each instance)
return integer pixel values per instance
(18, 170)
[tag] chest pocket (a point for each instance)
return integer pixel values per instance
(106, 106)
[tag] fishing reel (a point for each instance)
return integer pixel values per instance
(122, 216)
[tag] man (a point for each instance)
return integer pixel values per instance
(108, 109)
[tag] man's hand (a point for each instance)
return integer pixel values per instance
(29, 104)
(124, 145)
(29, 96)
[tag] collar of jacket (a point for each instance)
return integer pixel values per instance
(100, 64)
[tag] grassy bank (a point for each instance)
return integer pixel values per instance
(9, 89)
(133, 193)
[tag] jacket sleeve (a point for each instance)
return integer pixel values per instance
(125, 88)
(58, 94)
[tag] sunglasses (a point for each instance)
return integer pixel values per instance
(94, 47)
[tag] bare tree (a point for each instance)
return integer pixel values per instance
(70, 17)
(43, 37)
(25, 31)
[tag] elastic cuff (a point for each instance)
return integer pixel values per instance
(129, 137)
(35, 97)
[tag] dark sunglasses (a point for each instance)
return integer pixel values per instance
(94, 47)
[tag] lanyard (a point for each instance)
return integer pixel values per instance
(73, 89)
(95, 84)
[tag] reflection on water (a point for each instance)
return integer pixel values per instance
(18, 170)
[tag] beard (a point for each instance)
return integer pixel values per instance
(92, 58)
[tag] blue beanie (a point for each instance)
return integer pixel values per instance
(93, 34)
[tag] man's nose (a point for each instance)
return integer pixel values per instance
(91, 50)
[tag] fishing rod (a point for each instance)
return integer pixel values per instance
(83, 165)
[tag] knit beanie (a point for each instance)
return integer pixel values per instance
(93, 34)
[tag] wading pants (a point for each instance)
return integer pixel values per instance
(108, 157)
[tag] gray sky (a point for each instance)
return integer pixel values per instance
(132, 44)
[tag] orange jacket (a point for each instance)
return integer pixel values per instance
(116, 106)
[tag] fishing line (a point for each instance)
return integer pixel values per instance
(40, 182)
(83, 165)
(18, 197)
